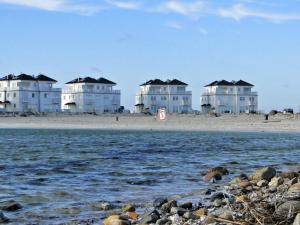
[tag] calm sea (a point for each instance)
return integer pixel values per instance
(62, 175)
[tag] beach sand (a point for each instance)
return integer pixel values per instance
(235, 123)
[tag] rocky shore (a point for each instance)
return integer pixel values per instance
(266, 197)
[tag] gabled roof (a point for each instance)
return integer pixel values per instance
(227, 83)
(42, 77)
(24, 76)
(160, 82)
(101, 80)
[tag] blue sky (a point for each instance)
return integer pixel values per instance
(129, 42)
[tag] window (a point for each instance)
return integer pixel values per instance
(98, 87)
(15, 95)
(15, 106)
(32, 95)
(64, 97)
(153, 98)
(242, 98)
(163, 98)
(175, 98)
(45, 95)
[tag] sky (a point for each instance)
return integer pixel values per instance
(130, 42)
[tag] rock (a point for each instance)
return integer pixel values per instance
(209, 220)
(177, 210)
(186, 205)
(218, 202)
(242, 199)
(276, 181)
(132, 215)
(294, 192)
(176, 219)
(284, 208)
(297, 220)
(150, 217)
(163, 221)
(200, 212)
(219, 195)
(227, 215)
(157, 203)
(220, 170)
(116, 220)
(266, 173)
(10, 206)
(289, 175)
(190, 216)
(292, 181)
(262, 183)
(165, 208)
(106, 206)
(245, 184)
(3, 218)
(128, 208)
(212, 176)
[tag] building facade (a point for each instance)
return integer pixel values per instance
(170, 94)
(229, 97)
(26, 93)
(90, 95)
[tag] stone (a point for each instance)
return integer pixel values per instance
(289, 175)
(276, 181)
(200, 212)
(128, 208)
(285, 208)
(116, 220)
(150, 217)
(3, 218)
(106, 206)
(297, 220)
(177, 210)
(266, 173)
(217, 202)
(132, 215)
(167, 206)
(176, 219)
(242, 199)
(227, 215)
(162, 221)
(209, 220)
(220, 170)
(212, 176)
(245, 184)
(189, 216)
(10, 206)
(262, 183)
(158, 202)
(219, 195)
(186, 205)
(294, 192)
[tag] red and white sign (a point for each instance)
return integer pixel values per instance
(162, 114)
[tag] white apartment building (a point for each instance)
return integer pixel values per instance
(229, 97)
(90, 95)
(26, 93)
(170, 94)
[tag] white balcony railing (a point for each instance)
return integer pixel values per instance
(72, 91)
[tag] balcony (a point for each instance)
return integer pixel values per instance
(164, 93)
(74, 91)
(229, 93)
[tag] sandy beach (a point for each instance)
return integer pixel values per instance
(235, 123)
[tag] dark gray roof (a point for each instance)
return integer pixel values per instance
(160, 82)
(227, 83)
(24, 76)
(101, 80)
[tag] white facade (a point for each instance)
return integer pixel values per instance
(25, 93)
(90, 95)
(229, 97)
(171, 95)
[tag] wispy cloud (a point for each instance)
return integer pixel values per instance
(240, 11)
(191, 9)
(174, 25)
(55, 5)
(125, 4)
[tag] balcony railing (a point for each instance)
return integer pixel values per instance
(29, 89)
(164, 93)
(229, 93)
(72, 91)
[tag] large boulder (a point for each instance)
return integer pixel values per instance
(150, 217)
(266, 173)
(289, 206)
(294, 192)
(10, 206)
(116, 220)
(297, 220)
(165, 208)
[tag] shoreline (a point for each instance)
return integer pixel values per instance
(184, 123)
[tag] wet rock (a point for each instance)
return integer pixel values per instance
(297, 220)
(128, 208)
(212, 176)
(163, 221)
(245, 184)
(3, 218)
(10, 206)
(262, 183)
(294, 192)
(220, 170)
(219, 195)
(177, 210)
(217, 202)
(266, 173)
(276, 181)
(289, 175)
(132, 215)
(190, 216)
(176, 219)
(292, 181)
(186, 205)
(165, 208)
(150, 217)
(242, 199)
(209, 220)
(157, 203)
(116, 220)
(285, 208)
(200, 212)
(105, 206)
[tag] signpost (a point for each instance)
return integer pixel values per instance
(162, 115)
